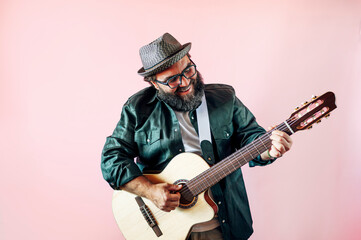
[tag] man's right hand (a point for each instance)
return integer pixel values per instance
(163, 195)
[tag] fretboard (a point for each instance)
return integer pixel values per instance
(233, 162)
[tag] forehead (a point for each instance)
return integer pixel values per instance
(174, 69)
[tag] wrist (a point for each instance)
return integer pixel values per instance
(148, 189)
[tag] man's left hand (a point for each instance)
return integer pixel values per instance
(281, 143)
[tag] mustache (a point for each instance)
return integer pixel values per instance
(179, 89)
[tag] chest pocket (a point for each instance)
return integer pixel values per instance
(149, 145)
(223, 135)
(148, 137)
(223, 132)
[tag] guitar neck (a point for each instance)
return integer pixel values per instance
(233, 162)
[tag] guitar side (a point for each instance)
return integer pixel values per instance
(175, 224)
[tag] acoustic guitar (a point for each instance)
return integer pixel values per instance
(138, 218)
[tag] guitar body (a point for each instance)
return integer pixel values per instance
(173, 225)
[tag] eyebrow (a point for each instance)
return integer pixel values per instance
(166, 79)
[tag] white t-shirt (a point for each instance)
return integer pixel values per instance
(189, 135)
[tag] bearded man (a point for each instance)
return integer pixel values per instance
(164, 120)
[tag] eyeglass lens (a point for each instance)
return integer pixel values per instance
(187, 73)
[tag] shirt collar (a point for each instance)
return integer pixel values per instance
(152, 99)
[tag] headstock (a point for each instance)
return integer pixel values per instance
(312, 112)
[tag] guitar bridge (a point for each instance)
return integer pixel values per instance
(148, 216)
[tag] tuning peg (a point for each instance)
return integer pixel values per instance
(327, 115)
(309, 127)
(318, 121)
(313, 97)
(296, 108)
(304, 103)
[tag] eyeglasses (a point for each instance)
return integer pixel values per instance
(176, 80)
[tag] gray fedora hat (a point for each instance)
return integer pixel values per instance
(161, 54)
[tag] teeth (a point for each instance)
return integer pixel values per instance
(185, 89)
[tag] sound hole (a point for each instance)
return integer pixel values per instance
(187, 199)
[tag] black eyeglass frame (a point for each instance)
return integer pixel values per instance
(179, 75)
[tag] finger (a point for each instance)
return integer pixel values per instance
(274, 152)
(271, 127)
(278, 138)
(281, 140)
(282, 135)
(286, 145)
(171, 205)
(168, 209)
(172, 187)
(279, 147)
(174, 197)
(168, 205)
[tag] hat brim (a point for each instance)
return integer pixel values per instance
(166, 63)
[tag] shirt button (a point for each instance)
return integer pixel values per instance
(192, 118)
(209, 159)
(180, 150)
(223, 221)
(175, 130)
(148, 140)
(219, 203)
(227, 134)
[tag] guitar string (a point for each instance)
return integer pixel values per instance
(219, 170)
(229, 161)
(218, 167)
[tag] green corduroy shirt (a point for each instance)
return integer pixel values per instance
(149, 132)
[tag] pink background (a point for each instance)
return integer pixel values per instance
(66, 68)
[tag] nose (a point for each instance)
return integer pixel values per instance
(185, 82)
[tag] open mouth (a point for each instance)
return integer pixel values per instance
(185, 90)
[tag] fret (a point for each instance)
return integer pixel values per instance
(260, 139)
(248, 151)
(245, 160)
(233, 166)
(256, 148)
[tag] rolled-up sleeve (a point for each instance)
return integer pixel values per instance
(117, 160)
